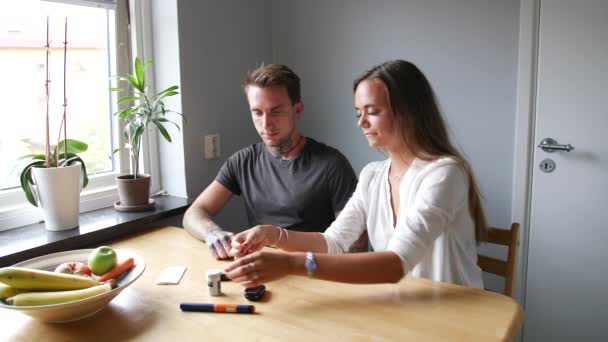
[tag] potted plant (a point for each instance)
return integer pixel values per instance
(144, 108)
(53, 180)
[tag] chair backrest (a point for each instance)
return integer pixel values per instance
(506, 269)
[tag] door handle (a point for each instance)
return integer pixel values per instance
(550, 145)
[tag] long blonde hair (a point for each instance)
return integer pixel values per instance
(422, 127)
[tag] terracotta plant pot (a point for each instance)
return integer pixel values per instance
(133, 192)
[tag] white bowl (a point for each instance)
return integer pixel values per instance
(79, 309)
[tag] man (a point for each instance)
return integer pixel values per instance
(287, 180)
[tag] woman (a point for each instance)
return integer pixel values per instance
(420, 207)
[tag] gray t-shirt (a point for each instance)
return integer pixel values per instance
(302, 193)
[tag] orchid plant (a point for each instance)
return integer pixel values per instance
(64, 153)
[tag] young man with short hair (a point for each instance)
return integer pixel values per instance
(287, 180)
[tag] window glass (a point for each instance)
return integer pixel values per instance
(89, 65)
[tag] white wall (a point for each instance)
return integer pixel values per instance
(167, 73)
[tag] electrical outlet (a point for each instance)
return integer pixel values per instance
(212, 146)
(216, 145)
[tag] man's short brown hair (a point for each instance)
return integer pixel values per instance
(275, 75)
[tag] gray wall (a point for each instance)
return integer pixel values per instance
(467, 48)
(219, 42)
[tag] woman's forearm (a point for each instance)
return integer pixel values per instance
(294, 241)
(354, 268)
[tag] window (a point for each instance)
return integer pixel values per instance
(93, 29)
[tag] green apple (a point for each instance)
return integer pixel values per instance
(102, 259)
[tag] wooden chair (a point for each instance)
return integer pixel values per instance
(506, 269)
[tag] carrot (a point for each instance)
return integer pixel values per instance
(119, 269)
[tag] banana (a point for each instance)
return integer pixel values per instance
(31, 279)
(9, 291)
(56, 297)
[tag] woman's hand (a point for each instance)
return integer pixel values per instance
(259, 268)
(253, 239)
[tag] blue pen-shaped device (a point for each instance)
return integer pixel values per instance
(206, 307)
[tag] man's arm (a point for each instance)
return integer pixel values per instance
(198, 218)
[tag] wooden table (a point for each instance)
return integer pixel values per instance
(294, 308)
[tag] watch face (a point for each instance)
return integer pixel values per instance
(310, 264)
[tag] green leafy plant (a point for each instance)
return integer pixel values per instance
(145, 108)
(63, 154)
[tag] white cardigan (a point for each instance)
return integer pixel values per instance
(434, 235)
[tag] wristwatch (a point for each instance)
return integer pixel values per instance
(311, 264)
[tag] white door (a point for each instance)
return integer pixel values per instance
(566, 296)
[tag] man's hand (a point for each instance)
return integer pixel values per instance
(218, 243)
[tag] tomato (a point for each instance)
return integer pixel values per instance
(74, 267)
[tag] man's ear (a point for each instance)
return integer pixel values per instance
(299, 107)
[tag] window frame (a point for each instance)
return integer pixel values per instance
(133, 37)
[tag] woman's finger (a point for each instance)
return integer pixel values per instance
(236, 253)
(252, 283)
(239, 238)
(240, 279)
(236, 274)
(251, 239)
(250, 278)
(247, 271)
(237, 263)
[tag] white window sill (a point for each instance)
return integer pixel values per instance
(24, 214)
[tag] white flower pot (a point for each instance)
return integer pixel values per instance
(58, 192)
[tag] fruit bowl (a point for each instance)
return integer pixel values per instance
(79, 309)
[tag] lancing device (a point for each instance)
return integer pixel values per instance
(229, 308)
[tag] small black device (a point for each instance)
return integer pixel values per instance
(224, 277)
(255, 293)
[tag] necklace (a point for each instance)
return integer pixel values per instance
(396, 176)
(394, 179)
